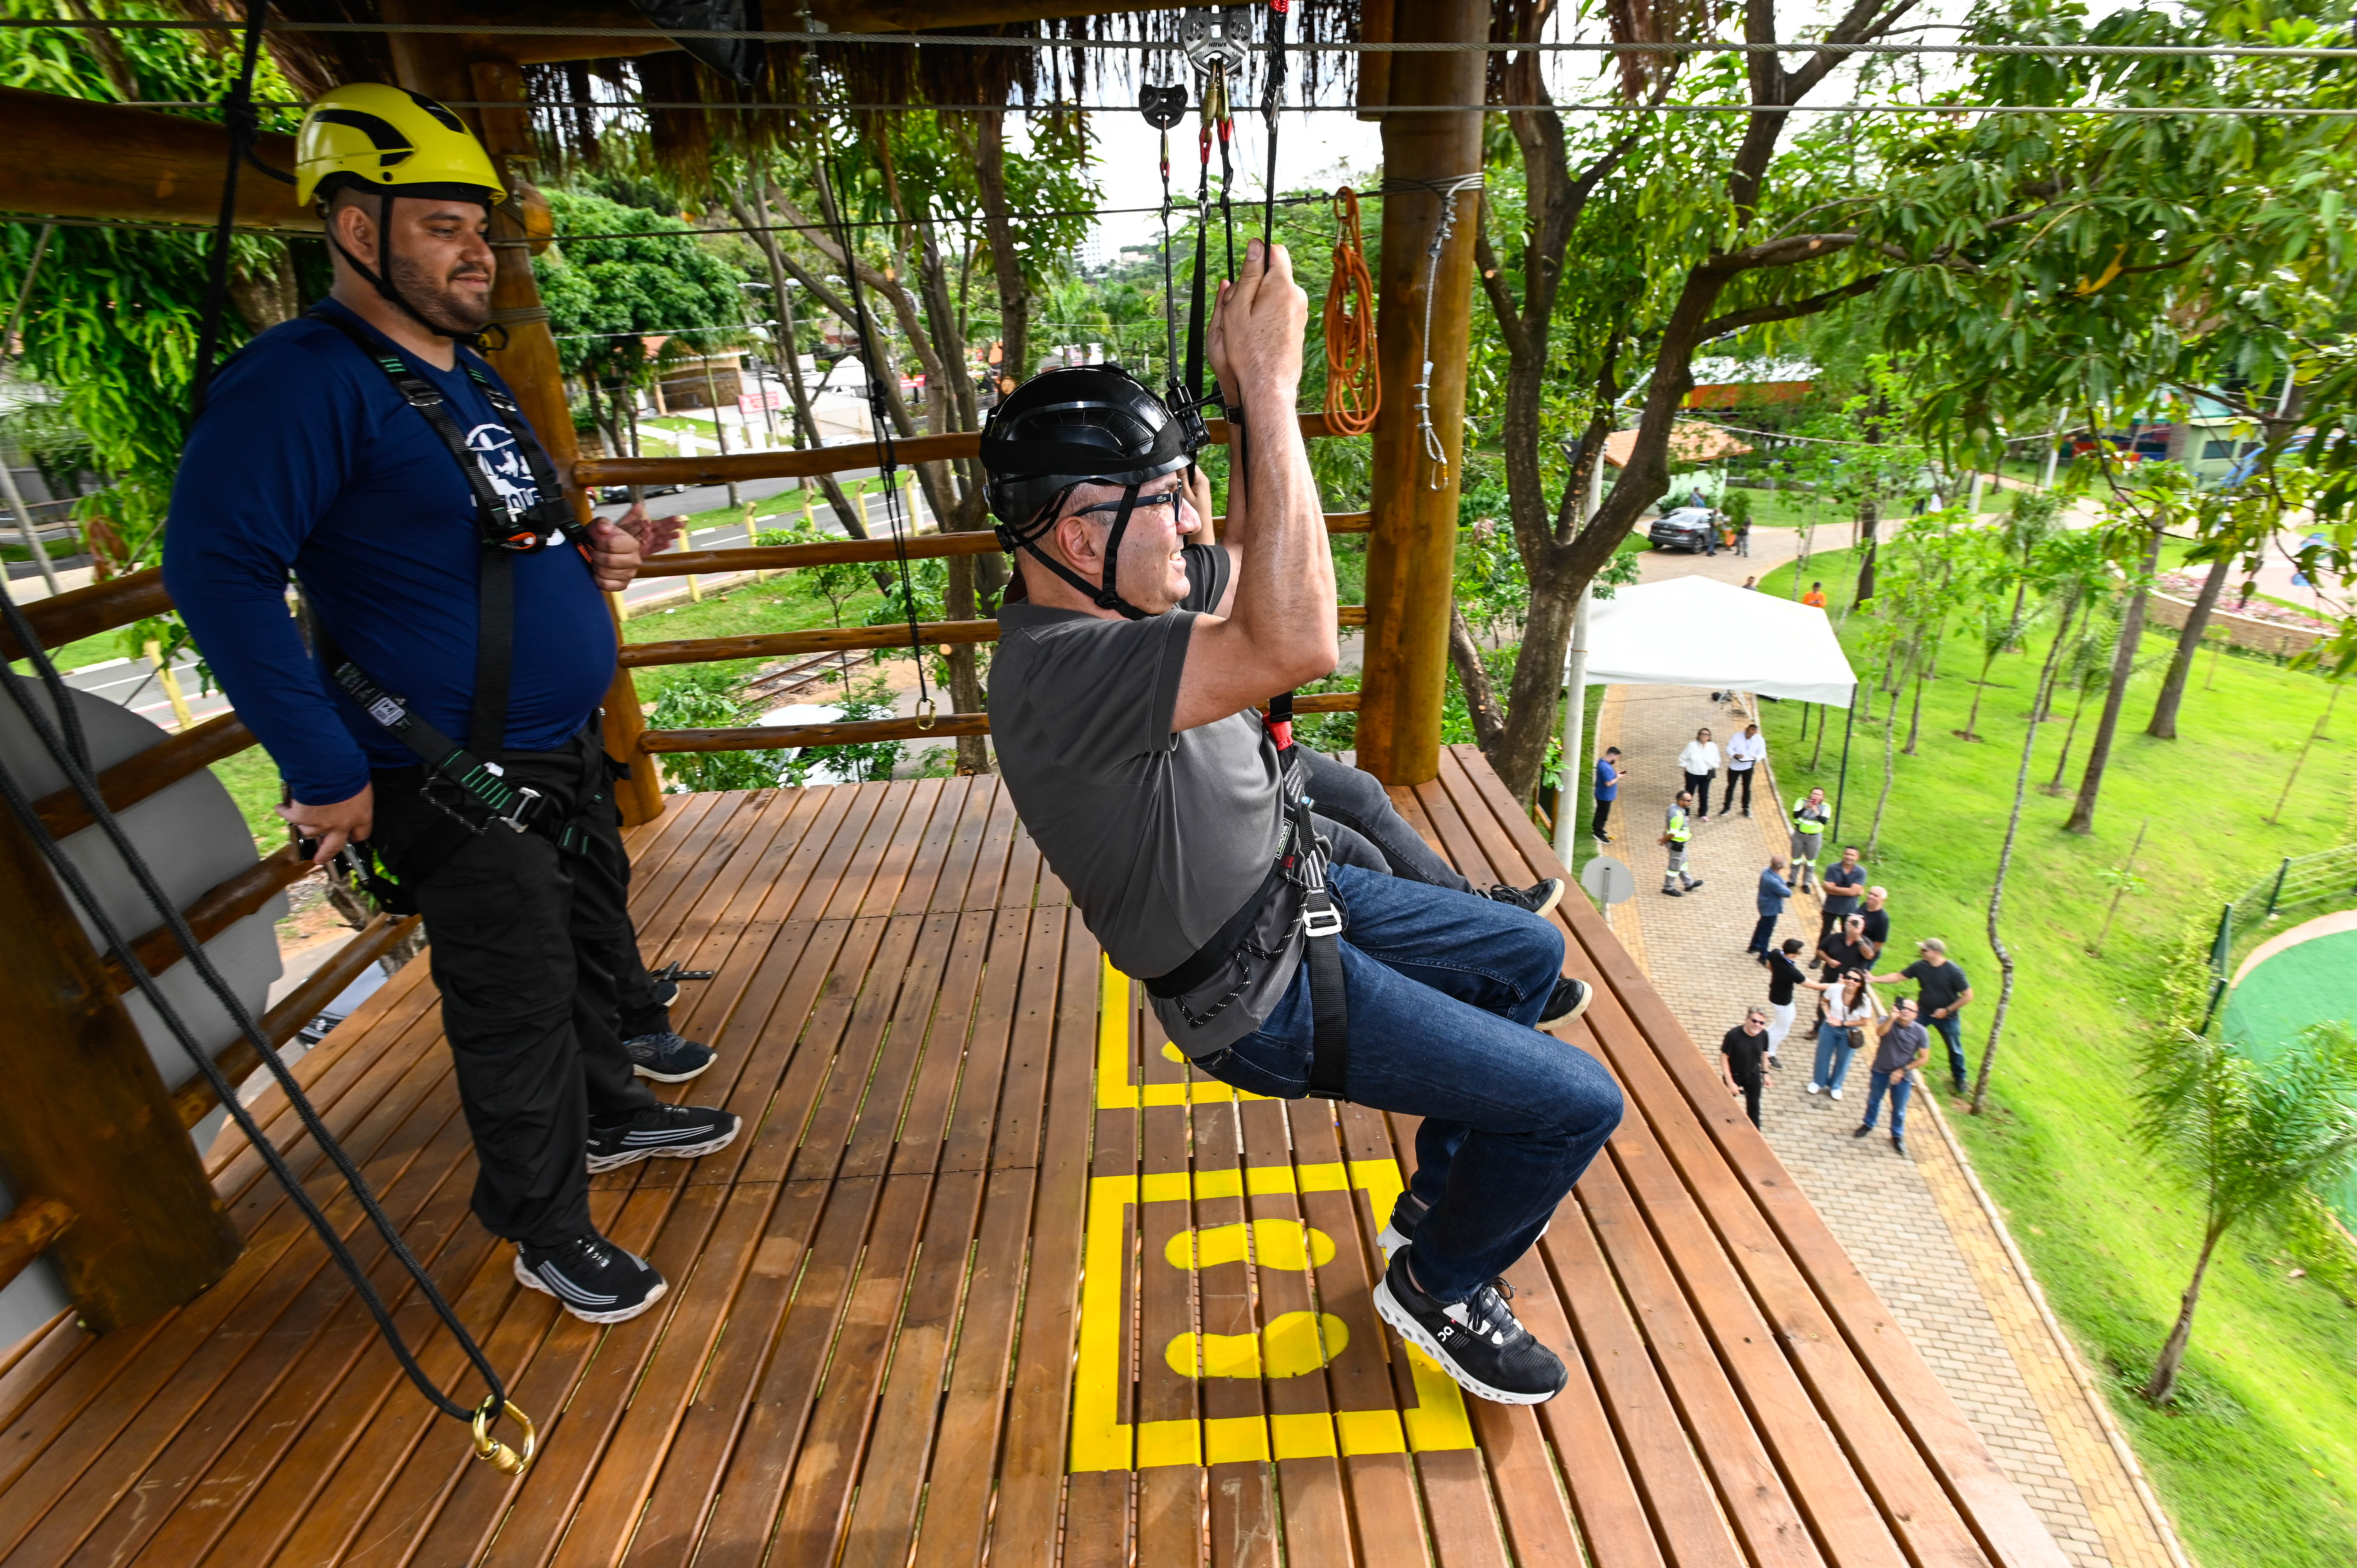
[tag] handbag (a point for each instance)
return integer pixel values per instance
(1857, 1038)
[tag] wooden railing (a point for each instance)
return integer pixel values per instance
(27, 1230)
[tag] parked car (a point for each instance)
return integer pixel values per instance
(622, 492)
(1687, 528)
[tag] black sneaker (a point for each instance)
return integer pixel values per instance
(595, 1280)
(1538, 898)
(674, 1132)
(668, 1057)
(1476, 1340)
(1571, 1000)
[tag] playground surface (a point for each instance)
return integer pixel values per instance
(2304, 977)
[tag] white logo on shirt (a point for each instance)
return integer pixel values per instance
(503, 461)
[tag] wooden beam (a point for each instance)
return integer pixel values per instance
(158, 767)
(216, 910)
(85, 612)
(1411, 556)
(80, 159)
(739, 467)
(86, 1120)
(194, 1100)
(923, 547)
(27, 1233)
(764, 737)
(824, 639)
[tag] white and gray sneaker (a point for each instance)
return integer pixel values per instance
(669, 1131)
(593, 1279)
(1478, 1341)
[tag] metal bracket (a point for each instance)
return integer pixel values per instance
(1216, 38)
(527, 798)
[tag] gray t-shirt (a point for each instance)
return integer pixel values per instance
(1161, 837)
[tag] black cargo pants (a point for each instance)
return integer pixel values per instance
(528, 944)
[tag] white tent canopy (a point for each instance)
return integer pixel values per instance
(1692, 631)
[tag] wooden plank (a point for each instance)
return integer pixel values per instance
(1171, 1485)
(1033, 1455)
(820, 640)
(85, 612)
(1998, 1517)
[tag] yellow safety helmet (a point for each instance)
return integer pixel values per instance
(392, 140)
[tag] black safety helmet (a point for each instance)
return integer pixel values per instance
(1092, 424)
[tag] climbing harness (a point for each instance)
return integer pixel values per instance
(1448, 190)
(62, 738)
(879, 419)
(1354, 387)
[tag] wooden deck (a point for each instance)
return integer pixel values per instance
(945, 1302)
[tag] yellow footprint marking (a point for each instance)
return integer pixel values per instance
(1294, 1344)
(1171, 1053)
(1276, 1244)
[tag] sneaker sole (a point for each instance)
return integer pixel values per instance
(526, 1277)
(1586, 995)
(1390, 1240)
(673, 1152)
(1388, 1308)
(1553, 898)
(647, 1072)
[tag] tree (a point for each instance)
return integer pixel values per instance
(2071, 565)
(2255, 1138)
(2231, 526)
(2144, 505)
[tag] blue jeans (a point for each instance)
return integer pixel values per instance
(1445, 992)
(1898, 1093)
(1833, 1051)
(1372, 833)
(1952, 1029)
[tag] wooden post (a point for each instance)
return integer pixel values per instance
(1412, 552)
(528, 362)
(87, 1121)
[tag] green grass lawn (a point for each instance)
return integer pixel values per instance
(2257, 1460)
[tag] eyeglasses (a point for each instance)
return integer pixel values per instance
(1166, 498)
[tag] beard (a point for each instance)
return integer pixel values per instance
(459, 313)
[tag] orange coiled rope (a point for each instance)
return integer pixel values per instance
(1354, 383)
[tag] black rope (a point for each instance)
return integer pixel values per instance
(1271, 100)
(238, 114)
(879, 418)
(65, 746)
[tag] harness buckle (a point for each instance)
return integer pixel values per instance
(1325, 923)
(527, 800)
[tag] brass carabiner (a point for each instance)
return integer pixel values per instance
(927, 709)
(504, 1459)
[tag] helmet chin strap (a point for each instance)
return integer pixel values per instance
(1103, 596)
(382, 283)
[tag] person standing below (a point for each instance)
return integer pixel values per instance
(1745, 753)
(1844, 884)
(1743, 1061)
(1877, 916)
(370, 452)
(1941, 993)
(1784, 974)
(1773, 891)
(1902, 1048)
(1840, 1027)
(1739, 525)
(1676, 831)
(1846, 947)
(1607, 791)
(1815, 596)
(1700, 760)
(1810, 814)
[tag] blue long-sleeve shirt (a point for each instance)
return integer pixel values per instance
(1773, 891)
(307, 460)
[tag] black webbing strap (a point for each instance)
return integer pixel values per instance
(486, 729)
(499, 526)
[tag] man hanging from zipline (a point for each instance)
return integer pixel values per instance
(446, 713)
(1286, 953)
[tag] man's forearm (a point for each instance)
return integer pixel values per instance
(1285, 589)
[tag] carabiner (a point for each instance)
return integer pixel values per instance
(502, 1458)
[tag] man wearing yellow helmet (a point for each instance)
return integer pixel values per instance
(370, 452)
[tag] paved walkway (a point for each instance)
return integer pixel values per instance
(1918, 1226)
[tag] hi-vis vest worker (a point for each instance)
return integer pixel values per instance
(1676, 828)
(1810, 815)
(443, 717)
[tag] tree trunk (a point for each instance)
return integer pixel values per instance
(854, 521)
(1869, 515)
(1007, 263)
(2188, 643)
(1980, 690)
(2099, 753)
(1890, 768)
(1481, 696)
(1996, 886)
(2162, 1387)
